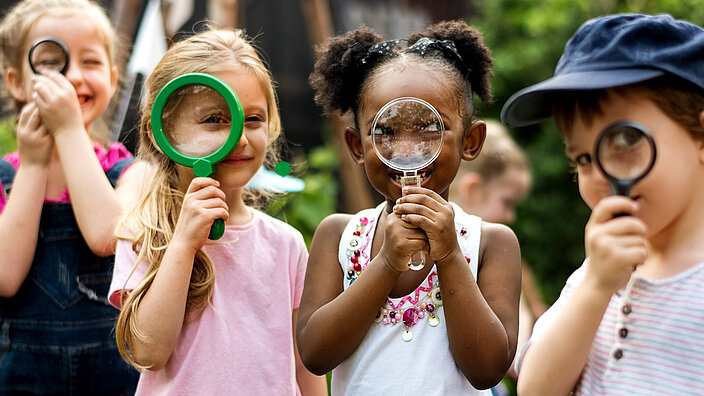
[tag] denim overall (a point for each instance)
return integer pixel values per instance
(56, 333)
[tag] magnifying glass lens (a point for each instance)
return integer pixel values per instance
(196, 120)
(407, 134)
(625, 152)
(48, 55)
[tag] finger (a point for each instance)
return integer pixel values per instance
(199, 183)
(611, 207)
(415, 208)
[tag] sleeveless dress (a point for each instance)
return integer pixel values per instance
(406, 350)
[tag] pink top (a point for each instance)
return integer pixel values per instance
(108, 158)
(243, 341)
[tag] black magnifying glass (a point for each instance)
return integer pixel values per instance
(48, 53)
(407, 135)
(625, 153)
(197, 120)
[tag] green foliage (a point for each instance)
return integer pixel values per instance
(527, 39)
(306, 209)
(8, 142)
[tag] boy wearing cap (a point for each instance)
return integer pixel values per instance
(630, 320)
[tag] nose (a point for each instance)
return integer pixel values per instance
(243, 140)
(74, 73)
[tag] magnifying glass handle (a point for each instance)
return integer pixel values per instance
(217, 229)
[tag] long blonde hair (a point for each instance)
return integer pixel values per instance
(150, 224)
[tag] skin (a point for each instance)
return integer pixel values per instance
(161, 313)
(481, 314)
(494, 200)
(55, 149)
(662, 237)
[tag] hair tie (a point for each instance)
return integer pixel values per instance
(392, 48)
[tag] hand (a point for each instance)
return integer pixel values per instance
(35, 145)
(614, 245)
(427, 210)
(58, 104)
(203, 203)
(401, 240)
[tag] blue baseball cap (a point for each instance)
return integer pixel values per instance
(612, 51)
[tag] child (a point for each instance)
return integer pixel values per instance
(630, 320)
(55, 324)
(490, 187)
(358, 294)
(211, 318)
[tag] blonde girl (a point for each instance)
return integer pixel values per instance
(211, 318)
(59, 207)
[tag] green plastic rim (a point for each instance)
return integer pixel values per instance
(202, 166)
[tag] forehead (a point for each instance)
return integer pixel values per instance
(73, 29)
(398, 78)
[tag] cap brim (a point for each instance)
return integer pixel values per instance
(267, 180)
(534, 103)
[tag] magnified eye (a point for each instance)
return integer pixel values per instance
(625, 138)
(215, 118)
(382, 130)
(433, 126)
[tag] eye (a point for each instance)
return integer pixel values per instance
(382, 130)
(433, 126)
(215, 118)
(583, 160)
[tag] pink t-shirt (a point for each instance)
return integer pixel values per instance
(243, 342)
(107, 158)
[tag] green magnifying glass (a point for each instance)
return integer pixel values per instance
(197, 120)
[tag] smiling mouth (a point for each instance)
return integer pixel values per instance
(424, 175)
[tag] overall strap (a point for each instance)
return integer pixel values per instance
(113, 174)
(7, 176)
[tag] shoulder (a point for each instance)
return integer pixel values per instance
(329, 232)
(276, 229)
(499, 244)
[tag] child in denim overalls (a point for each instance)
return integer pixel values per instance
(55, 322)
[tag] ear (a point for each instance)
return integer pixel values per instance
(13, 79)
(354, 145)
(474, 137)
(113, 79)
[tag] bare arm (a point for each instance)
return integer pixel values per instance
(161, 312)
(331, 324)
(95, 203)
(19, 222)
(309, 383)
(19, 227)
(614, 246)
(482, 315)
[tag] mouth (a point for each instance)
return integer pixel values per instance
(237, 159)
(424, 175)
(83, 99)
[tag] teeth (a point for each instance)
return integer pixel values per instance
(397, 176)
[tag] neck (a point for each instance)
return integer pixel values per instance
(240, 213)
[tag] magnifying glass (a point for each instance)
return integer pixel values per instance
(46, 54)
(625, 153)
(197, 120)
(407, 135)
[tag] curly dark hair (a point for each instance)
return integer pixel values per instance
(343, 65)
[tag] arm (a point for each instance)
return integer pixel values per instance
(481, 315)
(332, 323)
(614, 246)
(161, 312)
(19, 222)
(95, 203)
(310, 384)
